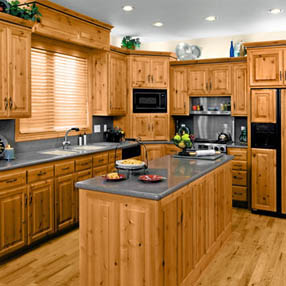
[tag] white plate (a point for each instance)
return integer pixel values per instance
(129, 166)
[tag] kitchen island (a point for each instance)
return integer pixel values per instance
(134, 233)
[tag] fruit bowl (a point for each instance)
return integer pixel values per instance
(184, 142)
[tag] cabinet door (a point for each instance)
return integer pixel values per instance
(142, 127)
(159, 72)
(40, 210)
(65, 201)
(179, 97)
(220, 80)
(3, 72)
(13, 218)
(80, 176)
(118, 84)
(160, 127)
(19, 59)
(283, 151)
(197, 81)
(141, 76)
(265, 67)
(264, 179)
(154, 151)
(239, 96)
(263, 106)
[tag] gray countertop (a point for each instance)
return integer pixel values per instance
(178, 173)
(36, 157)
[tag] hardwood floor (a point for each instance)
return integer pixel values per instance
(254, 255)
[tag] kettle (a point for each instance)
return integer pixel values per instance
(223, 138)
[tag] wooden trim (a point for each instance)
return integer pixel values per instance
(16, 20)
(209, 61)
(265, 44)
(69, 12)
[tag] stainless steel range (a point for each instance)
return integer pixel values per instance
(205, 144)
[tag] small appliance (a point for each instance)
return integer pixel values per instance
(208, 144)
(149, 100)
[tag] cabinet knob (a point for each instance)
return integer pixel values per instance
(6, 103)
(10, 102)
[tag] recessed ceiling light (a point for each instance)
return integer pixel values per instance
(210, 18)
(127, 8)
(275, 11)
(158, 24)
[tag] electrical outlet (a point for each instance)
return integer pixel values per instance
(105, 127)
(96, 129)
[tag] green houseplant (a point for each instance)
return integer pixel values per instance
(129, 43)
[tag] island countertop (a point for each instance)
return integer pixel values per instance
(177, 171)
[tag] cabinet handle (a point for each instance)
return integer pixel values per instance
(207, 86)
(280, 75)
(26, 200)
(152, 127)
(64, 169)
(233, 105)
(148, 127)
(84, 164)
(210, 85)
(41, 173)
(101, 160)
(6, 103)
(152, 78)
(31, 199)
(10, 181)
(184, 107)
(10, 102)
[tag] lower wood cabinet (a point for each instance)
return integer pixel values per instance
(40, 209)
(80, 176)
(65, 201)
(263, 179)
(154, 151)
(13, 219)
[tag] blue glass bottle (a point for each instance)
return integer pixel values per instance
(231, 50)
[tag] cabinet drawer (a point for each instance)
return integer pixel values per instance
(83, 164)
(98, 171)
(239, 193)
(239, 178)
(111, 155)
(239, 154)
(40, 173)
(64, 168)
(100, 159)
(239, 165)
(12, 180)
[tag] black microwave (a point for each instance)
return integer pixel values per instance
(149, 100)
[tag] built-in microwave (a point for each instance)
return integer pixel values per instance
(149, 100)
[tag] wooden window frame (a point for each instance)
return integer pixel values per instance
(40, 42)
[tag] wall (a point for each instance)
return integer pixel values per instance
(7, 129)
(215, 47)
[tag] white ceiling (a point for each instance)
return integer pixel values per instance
(183, 19)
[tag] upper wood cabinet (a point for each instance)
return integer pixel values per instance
(263, 106)
(15, 71)
(211, 79)
(239, 100)
(283, 151)
(263, 179)
(266, 67)
(179, 97)
(149, 71)
(109, 84)
(150, 127)
(64, 24)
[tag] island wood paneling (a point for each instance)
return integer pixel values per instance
(130, 241)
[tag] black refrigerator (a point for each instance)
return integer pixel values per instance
(268, 116)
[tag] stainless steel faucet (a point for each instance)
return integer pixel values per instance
(66, 143)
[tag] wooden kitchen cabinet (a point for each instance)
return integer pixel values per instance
(40, 209)
(15, 71)
(13, 225)
(65, 201)
(263, 179)
(266, 67)
(154, 151)
(263, 106)
(283, 151)
(150, 127)
(179, 91)
(109, 84)
(239, 101)
(149, 71)
(211, 79)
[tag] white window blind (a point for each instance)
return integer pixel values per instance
(59, 93)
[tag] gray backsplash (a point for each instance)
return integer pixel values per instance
(7, 129)
(209, 126)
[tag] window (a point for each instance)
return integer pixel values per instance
(59, 95)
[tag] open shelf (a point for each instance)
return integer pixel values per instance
(210, 112)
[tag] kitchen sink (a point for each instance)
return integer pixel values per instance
(58, 152)
(87, 148)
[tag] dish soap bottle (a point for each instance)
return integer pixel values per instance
(231, 50)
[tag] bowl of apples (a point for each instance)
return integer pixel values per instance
(184, 141)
